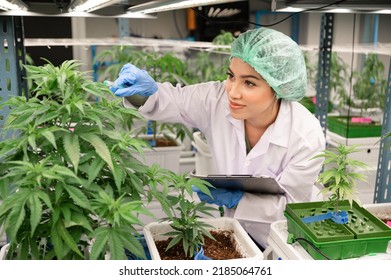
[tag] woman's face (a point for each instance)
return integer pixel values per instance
(250, 96)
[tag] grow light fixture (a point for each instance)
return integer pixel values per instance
(332, 6)
(162, 6)
(89, 5)
(12, 5)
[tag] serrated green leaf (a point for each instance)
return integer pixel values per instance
(45, 198)
(65, 172)
(15, 219)
(100, 244)
(133, 245)
(72, 148)
(35, 211)
(116, 249)
(78, 196)
(68, 240)
(100, 147)
(95, 169)
(77, 219)
(31, 140)
(56, 240)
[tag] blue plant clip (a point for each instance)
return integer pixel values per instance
(340, 218)
(200, 255)
(317, 218)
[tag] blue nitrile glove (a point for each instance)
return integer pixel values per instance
(221, 197)
(132, 80)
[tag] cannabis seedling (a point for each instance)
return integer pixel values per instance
(339, 181)
(185, 221)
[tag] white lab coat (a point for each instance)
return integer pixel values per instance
(283, 152)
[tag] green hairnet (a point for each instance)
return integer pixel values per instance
(277, 58)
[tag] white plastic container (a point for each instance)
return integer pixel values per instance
(187, 162)
(200, 142)
(279, 249)
(368, 149)
(378, 208)
(375, 113)
(166, 157)
(366, 190)
(3, 251)
(245, 245)
(204, 163)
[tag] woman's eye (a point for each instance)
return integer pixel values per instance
(230, 75)
(248, 83)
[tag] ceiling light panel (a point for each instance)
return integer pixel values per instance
(162, 6)
(89, 5)
(12, 5)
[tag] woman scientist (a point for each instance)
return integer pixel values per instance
(252, 122)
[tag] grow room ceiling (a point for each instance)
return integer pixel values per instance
(122, 7)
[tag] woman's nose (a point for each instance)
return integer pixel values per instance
(234, 91)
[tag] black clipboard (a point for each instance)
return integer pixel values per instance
(247, 183)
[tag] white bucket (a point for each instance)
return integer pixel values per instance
(204, 163)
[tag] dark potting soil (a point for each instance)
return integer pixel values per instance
(223, 248)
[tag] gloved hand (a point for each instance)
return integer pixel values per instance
(221, 197)
(131, 80)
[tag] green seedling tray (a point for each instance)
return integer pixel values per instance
(363, 234)
(339, 125)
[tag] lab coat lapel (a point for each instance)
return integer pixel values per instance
(239, 129)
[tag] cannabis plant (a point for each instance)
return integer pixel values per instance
(108, 63)
(163, 67)
(188, 229)
(340, 180)
(224, 38)
(70, 180)
(370, 84)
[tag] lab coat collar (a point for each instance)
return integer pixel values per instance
(238, 124)
(239, 127)
(282, 126)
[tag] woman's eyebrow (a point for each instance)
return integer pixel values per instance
(250, 76)
(246, 76)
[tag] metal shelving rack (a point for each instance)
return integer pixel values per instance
(324, 61)
(12, 83)
(12, 56)
(383, 175)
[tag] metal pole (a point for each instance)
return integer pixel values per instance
(11, 58)
(383, 175)
(324, 61)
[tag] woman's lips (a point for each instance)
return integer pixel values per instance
(235, 106)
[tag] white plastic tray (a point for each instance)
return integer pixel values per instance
(155, 231)
(280, 249)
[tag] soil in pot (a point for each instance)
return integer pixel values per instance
(223, 248)
(165, 142)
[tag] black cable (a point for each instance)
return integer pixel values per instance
(267, 25)
(313, 246)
